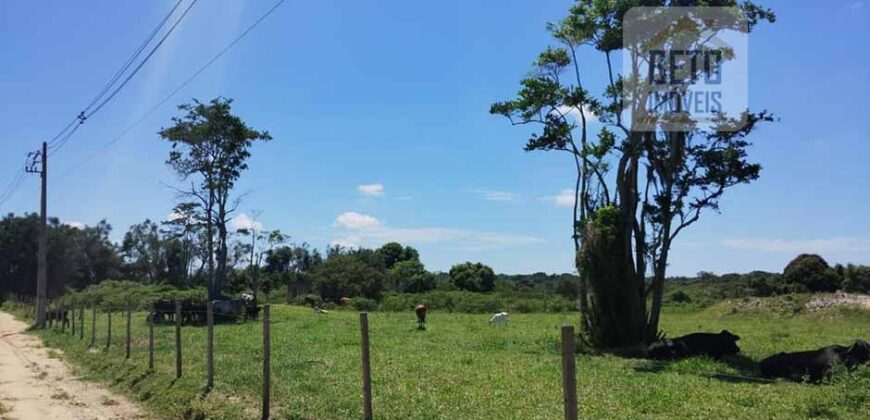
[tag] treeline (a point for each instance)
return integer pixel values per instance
(173, 254)
(806, 273)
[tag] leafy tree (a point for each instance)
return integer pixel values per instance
(856, 278)
(212, 144)
(292, 266)
(474, 277)
(410, 277)
(812, 273)
(394, 252)
(77, 257)
(347, 276)
(143, 252)
(261, 243)
(635, 189)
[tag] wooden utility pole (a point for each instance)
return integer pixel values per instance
(41, 278)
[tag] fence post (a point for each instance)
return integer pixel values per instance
(210, 359)
(73, 321)
(366, 366)
(151, 341)
(177, 339)
(50, 315)
(94, 327)
(267, 361)
(569, 378)
(127, 355)
(62, 315)
(108, 328)
(82, 323)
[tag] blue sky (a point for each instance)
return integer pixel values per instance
(381, 128)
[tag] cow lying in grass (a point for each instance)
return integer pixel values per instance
(697, 344)
(815, 365)
(499, 318)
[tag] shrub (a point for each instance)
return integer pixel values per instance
(812, 273)
(474, 277)
(363, 304)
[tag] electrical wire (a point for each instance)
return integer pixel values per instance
(141, 63)
(217, 56)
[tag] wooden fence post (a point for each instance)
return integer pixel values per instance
(73, 321)
(177, 339)
(50, 313)
(94, 327)
(151, 341)
(62, 315)
(210, 359)
(108, 328)
(129, 313)
(569, 378)
(267, 361)
(82, 323)
(366, 366)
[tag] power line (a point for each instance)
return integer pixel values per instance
(171, 94)
(141, 63)
(133, 57)
(101, 99)
(17, 180)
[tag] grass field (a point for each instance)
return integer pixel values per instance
(462, 368)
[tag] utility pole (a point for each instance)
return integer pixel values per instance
(41, 276)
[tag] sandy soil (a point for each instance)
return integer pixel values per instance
(36, 386)
(839, 299)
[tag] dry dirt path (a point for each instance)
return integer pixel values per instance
(36, 386)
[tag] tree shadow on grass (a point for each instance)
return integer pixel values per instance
(747, 369)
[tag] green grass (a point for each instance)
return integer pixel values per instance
(461, 368)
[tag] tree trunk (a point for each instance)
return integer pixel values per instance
(616, 310)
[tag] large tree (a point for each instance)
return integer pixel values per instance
(636, 188)
(211, 145)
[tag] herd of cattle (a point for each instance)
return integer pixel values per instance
(194, 311)
(814, 365)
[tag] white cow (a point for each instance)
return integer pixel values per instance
(499, 318)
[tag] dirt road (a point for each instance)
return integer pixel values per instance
(36, 386)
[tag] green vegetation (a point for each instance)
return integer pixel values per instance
(460, 367)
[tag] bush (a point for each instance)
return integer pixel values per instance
(470, 302)
(812, 273)
(346, 275)
(363, 304)
(474, 277)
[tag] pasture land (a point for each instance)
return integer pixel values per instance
(461, 368)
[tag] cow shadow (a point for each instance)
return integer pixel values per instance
(746, 369)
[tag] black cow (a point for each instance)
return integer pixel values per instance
(163, 310)
(228, 310)
(858, 353)
(815, 364)
(252, 311)
(696, 344)
(58, 315)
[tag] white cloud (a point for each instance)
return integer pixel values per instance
(172, 216)
(364, 230)
(76, 225)
(573, 114)
(243, 221)
(346, 242)
(856, 5)
(491, 195)
(353, 220)
(846, 245)
(371, 190)
(564, 199)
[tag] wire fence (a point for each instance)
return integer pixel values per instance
(65, 318)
